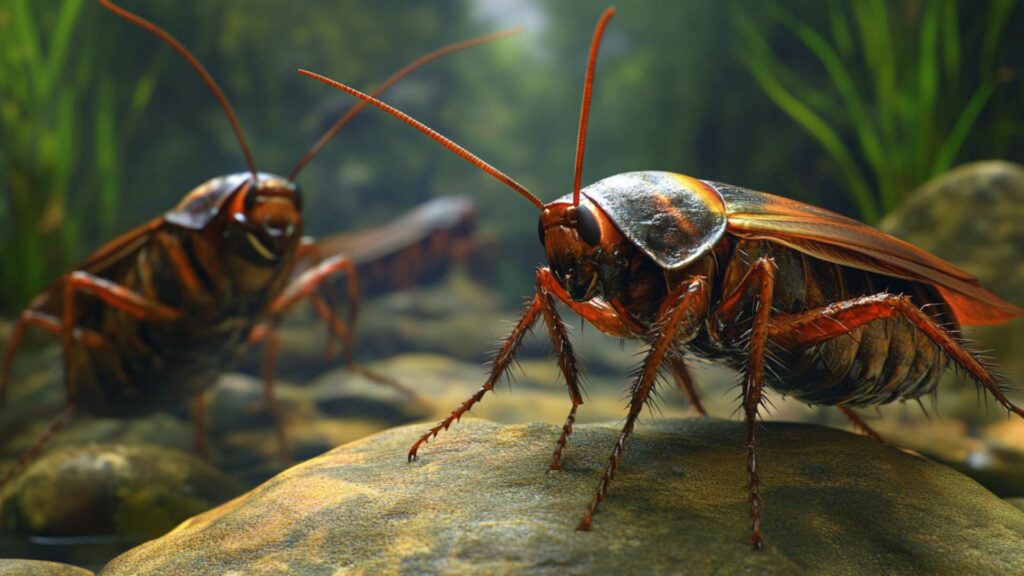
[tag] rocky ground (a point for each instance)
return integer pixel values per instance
(481, 501)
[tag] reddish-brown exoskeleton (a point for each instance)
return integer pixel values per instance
(416, 248)
(152, 318)
(855, 317)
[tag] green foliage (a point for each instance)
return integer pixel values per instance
(59, 128)
(895, 106)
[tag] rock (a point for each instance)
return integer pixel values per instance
(40, 568)
(480, 501)
(132, 491)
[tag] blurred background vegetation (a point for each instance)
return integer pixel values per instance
(848, 105)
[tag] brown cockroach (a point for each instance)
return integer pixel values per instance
(856, 317)
(151, 319)
(416, 248)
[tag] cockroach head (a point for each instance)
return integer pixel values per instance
(265, 219)
(583, 247)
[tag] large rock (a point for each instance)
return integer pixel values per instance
(39, 568)
(972, 217)
(481, 501)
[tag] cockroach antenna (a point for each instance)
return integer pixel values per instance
(588, 87)
(405, 71)
(199, 68)
(433, 135)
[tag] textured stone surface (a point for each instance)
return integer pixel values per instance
(137, 491)
(480, 501)
(39, 568)
(972, 217)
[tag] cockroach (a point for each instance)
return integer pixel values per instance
(153, 317)
(855, 317)
(416, 248)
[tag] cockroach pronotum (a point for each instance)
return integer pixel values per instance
(173, 303)
(855, 317)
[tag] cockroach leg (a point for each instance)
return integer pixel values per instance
(501, 363)
(55, 424)
(827, 322)
(563, 438)
(115, 296)
(730, 306)
(567, 363)
(752, 398)
(760, 278)
(603, 316)
(200, 434)
(307, 286)
(677, 312)
(52, 324)
(267, 334)
(861, 425)
(681, 374)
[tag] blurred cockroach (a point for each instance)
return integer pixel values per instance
(153, 317)
(416, 248)
(856, 317)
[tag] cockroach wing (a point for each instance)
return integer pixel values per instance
(672, 218)
(104, 262)
(829, 236)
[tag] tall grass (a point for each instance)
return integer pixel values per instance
(61, 128)
(897, 106)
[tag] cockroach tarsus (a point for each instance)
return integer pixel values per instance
(855, 317)
(173, 302)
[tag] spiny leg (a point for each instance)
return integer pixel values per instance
(567, 363)
(268, 335)
(606, 318)
(806, 328)
(681, 374)
(677, 315)
(861, 425)
(55, 424)
(501, 363)
(761, 279)
(307, 286)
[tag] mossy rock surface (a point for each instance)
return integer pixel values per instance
(40, 568)
(133, 491)
(480, 500)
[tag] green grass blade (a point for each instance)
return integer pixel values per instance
(60, 42)
(860, 120)
(951, 146)
(106, 156)
(951, 39)
(920, 118)
(998, 14)
(873, 27)
(25, 29)
(806, 118)
(840, 26)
